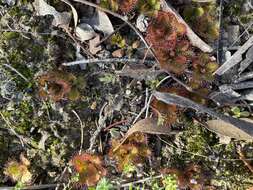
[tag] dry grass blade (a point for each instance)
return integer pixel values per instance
(235, 59)
(229, 130)
(75, 15)
(168, 98)
(149, 126)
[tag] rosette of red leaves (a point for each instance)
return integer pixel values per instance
(127, 6)
(134, 151)
(89, 167)
(166, 35)
(55, 85)
(192, 177)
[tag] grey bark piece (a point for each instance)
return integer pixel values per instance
(168, 98)
(244, 77)
(246, 62)
(235, 59)
(248, 95)
(222, 98)
(237, 86)
(139, 72)
(233, 34)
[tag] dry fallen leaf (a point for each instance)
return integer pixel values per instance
(148, 125)
(92, 45)
(118, 53)
(75, 15)
(61, 19)
(85, 32)
(139, 72)
(101, 22)
(229, 130)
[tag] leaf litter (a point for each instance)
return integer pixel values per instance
(175, 60)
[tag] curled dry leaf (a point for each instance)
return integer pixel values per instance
(101, 22)
(148, 125)
(92, 45)
(75, 15)
(85, 32)
(61, 20)
(229, 130)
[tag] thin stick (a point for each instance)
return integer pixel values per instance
(114, 124)
(142, 180)
(101, 124)
(235, 58)
(25, 32)
(239, 37)
(46, 186)
(246, 162)
(78, 43)
(15, 70)
(81, 127)
(220, 42)
(12, 130)
(148, 105)
(139, 115)
(109, 60)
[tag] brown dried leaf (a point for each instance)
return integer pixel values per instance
(118, 53)
(92, 45)
(61, 19)
(229, 130)
(148, 125)
(139, 72)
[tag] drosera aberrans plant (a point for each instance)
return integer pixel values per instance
(18, 171)
(57, 85)
(88, 168)
(132, 152)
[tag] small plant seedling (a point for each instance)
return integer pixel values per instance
(237, 112)
(104, 184)
(170, 182)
